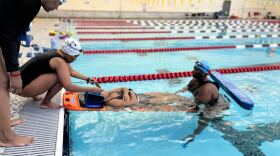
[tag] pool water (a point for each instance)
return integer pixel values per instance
(159, 133)
(235, 132)
(132, 63)
(168, 35)
(175, 43)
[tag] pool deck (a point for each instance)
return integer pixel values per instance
(45, 125)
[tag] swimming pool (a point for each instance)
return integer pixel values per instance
(168, 35)
(138, 133)
(175, 43)
(237, 132)
(101, 64)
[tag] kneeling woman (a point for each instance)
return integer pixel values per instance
(51, 71)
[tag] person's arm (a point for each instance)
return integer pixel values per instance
(63, 74)
(186, 88)
(76, 74)
(131, 99)
(10, 50)
(121, 89)
(125, 100)
(202, 124)
(109, 97)
(125, 90)
(182, 90)
(126, 96)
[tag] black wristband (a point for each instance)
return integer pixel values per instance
(88, 79)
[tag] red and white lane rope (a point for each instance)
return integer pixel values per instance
(176, 31)
(181, 38)
(177, 27)
(181, 27)
(111, 79)
(123, 32)
(97, 27)
(200, 22)
(179, 49)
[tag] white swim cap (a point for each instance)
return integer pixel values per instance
(72, 47)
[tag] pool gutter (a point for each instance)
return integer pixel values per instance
(59, 140)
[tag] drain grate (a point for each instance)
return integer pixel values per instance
(40, 123)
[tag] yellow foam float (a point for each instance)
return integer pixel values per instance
(52, 33)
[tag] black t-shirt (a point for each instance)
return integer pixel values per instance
(15, 16)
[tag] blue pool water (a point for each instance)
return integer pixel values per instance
(167, 35)
(235, 133)
(174, 43)
(155, 133)
(132, 63)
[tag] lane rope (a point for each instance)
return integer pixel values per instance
(171, 75)
(178, 31)
(114, 51)
(182, 38)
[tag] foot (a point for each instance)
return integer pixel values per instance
(15, 122)
(38, 98)
(49, 105)
(17, 141)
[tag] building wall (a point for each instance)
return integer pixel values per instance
(145, 5)
(242, 7)
(160, 8)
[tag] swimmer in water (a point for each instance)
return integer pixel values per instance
(204, 91)
(120, 98)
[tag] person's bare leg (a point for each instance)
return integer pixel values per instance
(7, 136)
(47, 82)
(47, 103)
(38, 98)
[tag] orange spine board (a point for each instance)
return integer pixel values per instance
(71, 102)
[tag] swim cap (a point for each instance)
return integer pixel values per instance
(72, 47)
(203, 66)
(61, 2)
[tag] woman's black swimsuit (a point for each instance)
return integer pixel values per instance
(37, 66)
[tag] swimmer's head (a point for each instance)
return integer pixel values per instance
(203, 66)
(50, 5)
(201, 69)
(72, 48)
